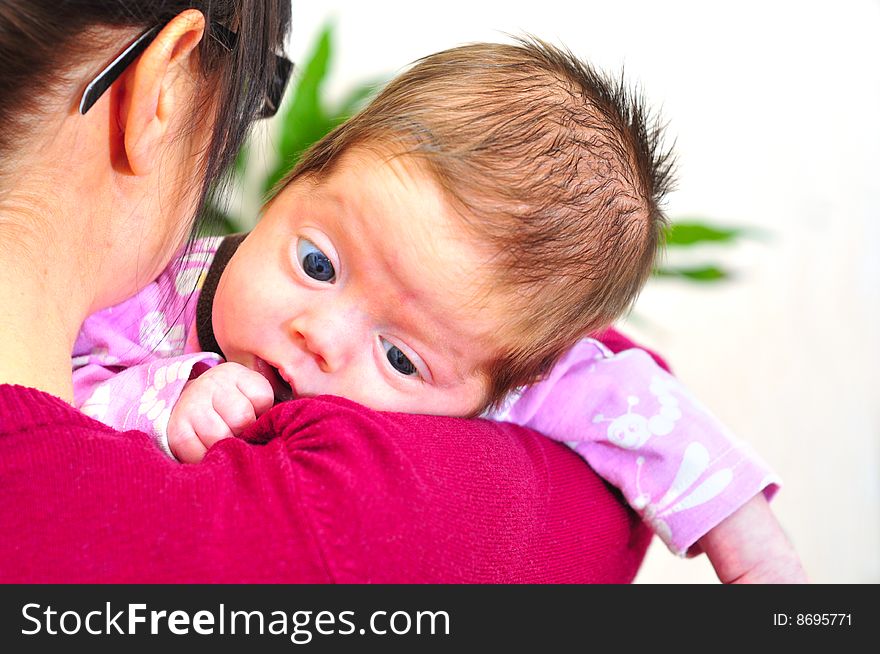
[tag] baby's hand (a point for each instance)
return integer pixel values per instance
(219, 404)
(749, 547)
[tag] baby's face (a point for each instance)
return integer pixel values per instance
(362, 285)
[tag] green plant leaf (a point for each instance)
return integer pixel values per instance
(357, 98)
(305, 119)
(702, 274)
(685, 234)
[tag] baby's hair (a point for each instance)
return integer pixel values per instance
(558, 167)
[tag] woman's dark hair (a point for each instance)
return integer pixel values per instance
(42, 40)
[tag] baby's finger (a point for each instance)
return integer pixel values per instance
(235, 410)
(210, 426)
(258, 390)
(184, 443)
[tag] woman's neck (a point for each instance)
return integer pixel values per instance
(70, 220)
(35, 346)
(44, 298)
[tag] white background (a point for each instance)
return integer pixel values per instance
(776, 110)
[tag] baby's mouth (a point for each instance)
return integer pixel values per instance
(283, 391)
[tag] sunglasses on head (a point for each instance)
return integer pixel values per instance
(103, 80)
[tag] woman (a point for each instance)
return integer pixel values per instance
(103, 168)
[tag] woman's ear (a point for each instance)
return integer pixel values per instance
(151, 89)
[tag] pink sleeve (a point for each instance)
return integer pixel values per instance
(139, 397)
(641, 430)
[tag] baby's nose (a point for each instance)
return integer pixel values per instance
(329, 337)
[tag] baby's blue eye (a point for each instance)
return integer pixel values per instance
(314, 263)
(398, 360)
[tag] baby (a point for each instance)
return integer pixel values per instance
(449, 250)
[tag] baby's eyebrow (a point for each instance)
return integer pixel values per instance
(440, 361)
(460, 364)
(465, 329)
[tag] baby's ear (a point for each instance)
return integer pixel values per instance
(152, 89)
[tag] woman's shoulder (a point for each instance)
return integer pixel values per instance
(24, 409)
(318, 490)
(442, 499)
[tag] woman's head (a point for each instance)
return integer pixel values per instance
(108, 195)
(150, 149)
(45, 43)
(559, 169)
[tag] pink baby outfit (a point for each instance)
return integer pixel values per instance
(130, 361)
(633, 422)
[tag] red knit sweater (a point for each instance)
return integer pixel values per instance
(323, 490)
